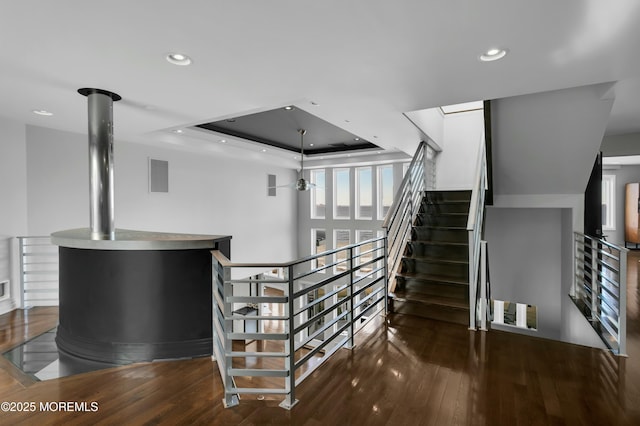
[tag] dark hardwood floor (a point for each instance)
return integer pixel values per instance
(409, 371)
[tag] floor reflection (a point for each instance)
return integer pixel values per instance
(41, 360)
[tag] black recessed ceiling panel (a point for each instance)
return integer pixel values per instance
(279, 128)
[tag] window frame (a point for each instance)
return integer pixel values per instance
(380, 189)
(337, 171)
(609, 200)
(357, 188)
(314, 193)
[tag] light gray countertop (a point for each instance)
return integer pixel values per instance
(126, 239)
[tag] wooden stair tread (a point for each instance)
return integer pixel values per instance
(443, 227)
(445, 243)
(436, 260)
(433, 277)
(427, 299)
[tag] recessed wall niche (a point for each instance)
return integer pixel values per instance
(158, 175)
(271, 185)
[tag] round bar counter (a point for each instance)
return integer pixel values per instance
(141, 296)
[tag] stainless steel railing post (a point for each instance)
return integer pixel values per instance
(622, 305)
(230, 398)
(290, 349)
(351, 300)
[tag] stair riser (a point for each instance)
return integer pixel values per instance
(438, 251)
(439, 196)
(458, 220)
(445, 235)
(443, 208)
(452, 270)
(412, 286)
(436, 312)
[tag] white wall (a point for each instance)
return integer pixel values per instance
(546, 143)
(516, 275)
(615, 145)
(207, 194)
(13, 199)
(530, 256)
(456, 167)
(431, 123)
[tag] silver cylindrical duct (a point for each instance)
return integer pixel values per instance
(100, 104)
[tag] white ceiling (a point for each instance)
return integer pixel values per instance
(364, 62)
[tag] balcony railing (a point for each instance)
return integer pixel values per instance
(273, 329)
(402, 214)
(38, 272)
(479, 290)
(600, 288)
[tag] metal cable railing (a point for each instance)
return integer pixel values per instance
(477, 300)
(272, 330)
(402, 214)
(38, 272)
(600, 288)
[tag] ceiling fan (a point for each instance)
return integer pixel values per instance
(301, 184)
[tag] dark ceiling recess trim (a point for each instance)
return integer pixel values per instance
(345, 148)
(307, 151)
(214, 128)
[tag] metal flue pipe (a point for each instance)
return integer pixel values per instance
(100, 105)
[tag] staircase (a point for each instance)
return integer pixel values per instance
(433, 281)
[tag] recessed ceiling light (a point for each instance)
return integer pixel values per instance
(178, 59)
(356, 139)
(493, 55)
(178, 131)
(288, 108)
(314, 103)
(264, 150)
(310, 144)
(223, 141)
(230, 120)
(42, 112)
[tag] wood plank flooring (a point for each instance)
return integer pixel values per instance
(408, 371)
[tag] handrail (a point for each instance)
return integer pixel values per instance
(475, 224)
(403, 212)
(600, 288)
(317, 314)
(405, 181)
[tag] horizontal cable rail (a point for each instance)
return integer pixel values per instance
(600, 288)
(477, 292)
(402, 214)
(38, 272)
(283, 324)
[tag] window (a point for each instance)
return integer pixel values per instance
(4, 290)
(319, 241)
(385, 190)
(341, 194)
(318, 202)
(364, 206)
(363, 256)
(518, 315)
(342, 238)
(608, 202)
(405, 168)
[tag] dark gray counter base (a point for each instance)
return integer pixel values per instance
(122, 306)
